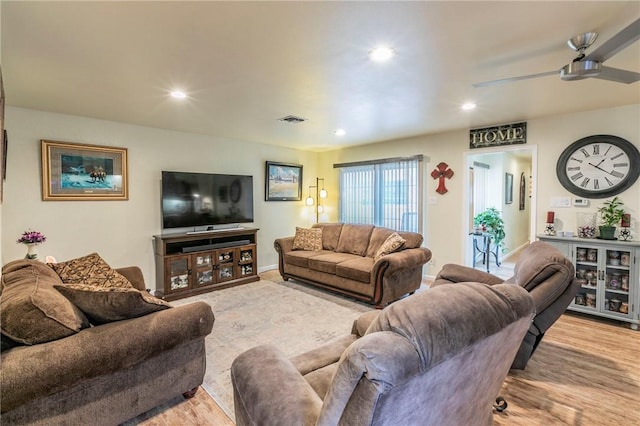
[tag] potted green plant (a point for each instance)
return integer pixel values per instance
(491, 222)
(610, 215)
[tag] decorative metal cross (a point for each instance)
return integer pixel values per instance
(442, 171)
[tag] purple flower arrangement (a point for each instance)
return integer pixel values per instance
(31, 237)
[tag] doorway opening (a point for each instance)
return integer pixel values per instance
(503, 178)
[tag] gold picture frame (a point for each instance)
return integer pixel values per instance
(76, 172)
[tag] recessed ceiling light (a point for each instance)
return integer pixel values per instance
(468, 106)
(340, 132)
(178, 94)
(381, 54)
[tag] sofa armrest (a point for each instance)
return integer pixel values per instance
(134, 275)
(405, 259)
(97, 351)
(268, 390)
(283, 245)
(362, 323)
(452, 273)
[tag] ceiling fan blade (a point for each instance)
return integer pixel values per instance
(616, 74)
(616, 43)
(510, 79)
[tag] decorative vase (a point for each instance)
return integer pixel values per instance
(586, 225)
(607, 232)
(32, 251)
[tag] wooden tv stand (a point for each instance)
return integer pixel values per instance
(194, 263)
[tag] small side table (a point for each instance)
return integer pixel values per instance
(484, 250)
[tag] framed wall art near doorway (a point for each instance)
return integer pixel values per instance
(73, 171)
(508, 188)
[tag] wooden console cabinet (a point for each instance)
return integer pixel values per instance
(609, 275)
(189, 264)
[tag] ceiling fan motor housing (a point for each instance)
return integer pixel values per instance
(581, 69)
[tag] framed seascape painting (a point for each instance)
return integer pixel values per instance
(73, 171)
(283, 182)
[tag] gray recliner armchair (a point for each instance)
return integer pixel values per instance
(545, 273)
(438, 357)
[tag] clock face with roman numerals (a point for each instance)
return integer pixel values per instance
(599, 166)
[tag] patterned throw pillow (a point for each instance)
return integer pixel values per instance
(308, 239)
(102, 304)
(394, 242)
(90, 270)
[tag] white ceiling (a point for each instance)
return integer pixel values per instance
(246, 64)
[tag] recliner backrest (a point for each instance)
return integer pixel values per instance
(441, 353)
(545, 272)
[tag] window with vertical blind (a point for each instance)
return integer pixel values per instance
(383, 193)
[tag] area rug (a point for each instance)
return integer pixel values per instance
(290, 315)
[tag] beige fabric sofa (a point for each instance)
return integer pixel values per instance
(438, 357)
(346, 262)
(99, 375)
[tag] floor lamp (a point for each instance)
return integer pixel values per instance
(320, 193)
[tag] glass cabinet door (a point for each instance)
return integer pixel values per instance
(225, 265)
(617, 269)
(179, 273)
(587, 275)
(204, 268)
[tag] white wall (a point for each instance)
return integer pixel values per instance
(445, 227)
(121, 231)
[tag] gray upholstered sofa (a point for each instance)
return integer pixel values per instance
(438, 357)
(346, 262)
(540, 269)
(97, 375)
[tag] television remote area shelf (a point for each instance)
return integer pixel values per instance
(194, 263)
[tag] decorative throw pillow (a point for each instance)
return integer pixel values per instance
(32, 310)
(394, 242)
(90, 270)
(102, 304)
(308, 239)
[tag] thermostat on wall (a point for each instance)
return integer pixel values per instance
(580, 202)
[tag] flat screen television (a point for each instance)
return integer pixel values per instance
(205, 199)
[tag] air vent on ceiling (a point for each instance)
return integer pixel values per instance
(292, 119)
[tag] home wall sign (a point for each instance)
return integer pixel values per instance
(506, 134)
(441, 172)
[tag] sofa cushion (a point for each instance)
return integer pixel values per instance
(102, 304)
(378, 237)
(89, 270)
(357, 269)
(308, 239)
(330, 234)
(327, 262)
(412, 239)
(394, 242)
(354, 239)
(32, 310)
(301, 257)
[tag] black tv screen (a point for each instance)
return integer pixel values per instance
(205, 199)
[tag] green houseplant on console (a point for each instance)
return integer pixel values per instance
(610, 215)
(491, 222)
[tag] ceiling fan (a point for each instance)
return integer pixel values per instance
(591, 65)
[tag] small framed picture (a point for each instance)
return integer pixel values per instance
(73, 171)
(283, 182)
(508, 188)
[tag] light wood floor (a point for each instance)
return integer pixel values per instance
(585, 372)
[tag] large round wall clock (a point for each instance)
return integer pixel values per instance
(598, 166)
